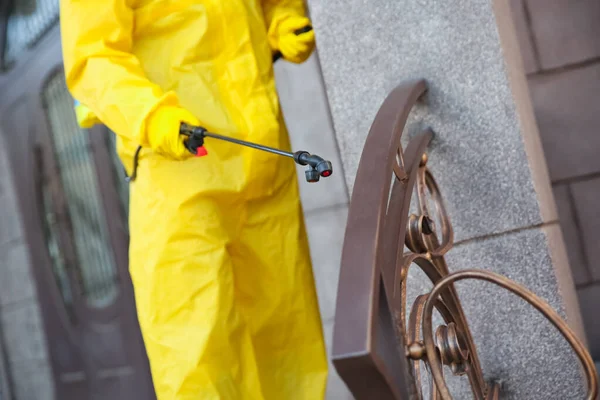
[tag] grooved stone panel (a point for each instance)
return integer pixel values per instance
(572, 235)
(568, 118)
(478, 154)
(565, 31)
(586, 195)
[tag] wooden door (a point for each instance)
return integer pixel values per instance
(73, 201)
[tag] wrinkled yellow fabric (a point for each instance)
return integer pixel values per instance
(218, 252)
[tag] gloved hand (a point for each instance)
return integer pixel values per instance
(294, 48)
(162, 132)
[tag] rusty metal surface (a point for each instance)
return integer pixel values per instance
(377, 351)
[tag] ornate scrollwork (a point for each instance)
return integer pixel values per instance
(383, 241)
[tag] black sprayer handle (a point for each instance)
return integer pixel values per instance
(317, 166)
(297, 32)
(195, 139)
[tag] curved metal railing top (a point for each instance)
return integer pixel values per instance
(376, 350)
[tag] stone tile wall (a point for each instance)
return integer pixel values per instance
(560, 43)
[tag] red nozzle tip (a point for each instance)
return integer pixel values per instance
(326, 173)
(201, 151)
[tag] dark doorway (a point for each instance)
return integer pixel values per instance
(73, 201)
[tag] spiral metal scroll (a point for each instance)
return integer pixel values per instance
(371, 322)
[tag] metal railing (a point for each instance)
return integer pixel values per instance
(377, 351)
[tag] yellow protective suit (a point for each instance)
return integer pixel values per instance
(218, 253)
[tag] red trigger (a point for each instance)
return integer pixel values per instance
(201, 151)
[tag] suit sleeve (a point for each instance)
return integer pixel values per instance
(101, 71)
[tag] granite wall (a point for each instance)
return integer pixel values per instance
(559, 41)
(487, 158)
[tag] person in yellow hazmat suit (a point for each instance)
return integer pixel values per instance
(218, 253)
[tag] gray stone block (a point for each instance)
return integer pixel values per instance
(478, 154)
(23, 333)
(326, 235)
(306, 111)
(516, 344)
(16, 280)
(33, 381)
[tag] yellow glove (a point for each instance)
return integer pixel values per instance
(294, 48)
(162, 132)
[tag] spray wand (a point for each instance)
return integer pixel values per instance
(317, 166)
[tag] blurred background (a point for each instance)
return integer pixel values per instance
(67, 317)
